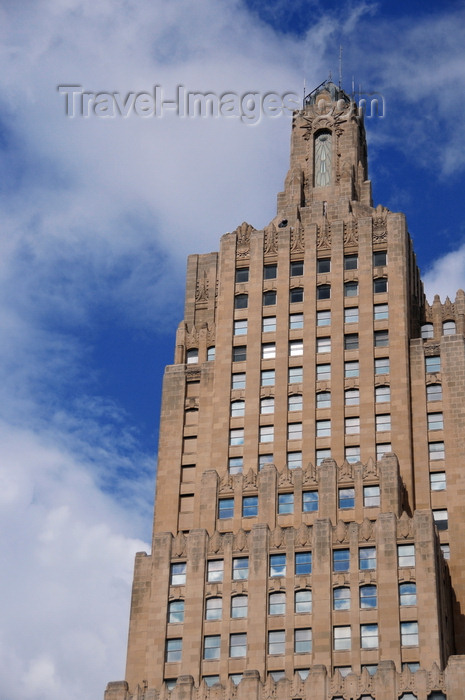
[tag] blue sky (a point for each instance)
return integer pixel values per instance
(97, 217)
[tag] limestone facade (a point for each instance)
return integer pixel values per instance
(309, 528)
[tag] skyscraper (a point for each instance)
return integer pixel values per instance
(309, 527)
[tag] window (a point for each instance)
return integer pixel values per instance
(309, 501)
(352, 426)
(323, 318)
(382, 394)
(241, 301)
(380, 284)
(269, 298)
(295, 402)
(303, 563)
(413, 666)
(269, 272)
(435, 421)
(267, 405)
(237, 645)
(238, 380)
(341, 598)
(297, 268)
(268, 351)
(409, 634)
(210, 680)
(448, 328)
(296, 321)
(211, 646)
(215, 570)
(296, 294)
(323, 428)
(351, 369)
(235, 465)
(350, 262)
(266, 433)
(441, 519)
(303, 602)
(322, 159)
(277, 675)
(341, 638)
(213, 608)
(192, 356)
(367, 558)
(276, 603)
(240, 327)
(323, 291)
(351, 314)
(383, 422)
(236, 436)
(269, 324)
(294, 431)
(323, 344)
(267, 377)
(277, 565)
(239, 353)
(405, 555)
(303, 673)
(211, 352)
(173, 650)
(381, 339)
(437, 695)
(351, 341)
(433, 364)
(379, 258)
(437, 481)
(178, 574)
(170, 683)
(303, 641)
(382, 365)
(369, 636)
(427, 331)
(323, 399)
(352, 397)
(352, 454)
(321, 455)
(371, 496)
(436, 451)
(225, 508)
(294, 460)
(408, 593)
(380, 312)
(323, 265)
(242, 274)
(295, 375)
(341, 560)
(434, 392)
(445, 549)
(285, 503)
(296, 347)
(240, 568)
(237, 408)
(239, 606)
(176, 611)
(368, 598)
(276, 642)
(351, 289)
(346, 498)
(323, 372)
(249, 506)
(264, 459)
(236, 678)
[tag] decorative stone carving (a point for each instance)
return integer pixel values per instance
(241, 540)
(286, 477)
(366, 530)
(448, 310)
(243, 233)
(201, 293)
(324, 236)
(346, 472)
(370, 469)
(179, 545)
(351, 233)
(341, 531)
(192, 338)
(404, 526)
(250, 481)
(277, 537)
(215, 543)
(310, 475)
(297, 239)
(270, 243)
(192, 375)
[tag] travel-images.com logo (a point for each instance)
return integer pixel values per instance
(249, 107)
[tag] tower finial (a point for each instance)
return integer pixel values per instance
(340, 66)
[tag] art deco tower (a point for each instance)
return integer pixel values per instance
(309, 527)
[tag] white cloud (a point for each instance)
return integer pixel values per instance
(446, 276)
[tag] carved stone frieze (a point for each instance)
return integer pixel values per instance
(201, 292)
(270, 243)
(243, 233)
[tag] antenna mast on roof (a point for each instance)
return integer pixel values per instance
(340, 66)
